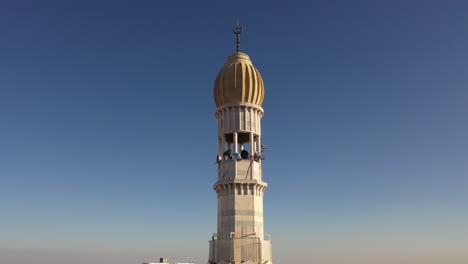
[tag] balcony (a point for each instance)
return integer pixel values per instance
(243, 249)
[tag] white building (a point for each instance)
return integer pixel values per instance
(239, 94)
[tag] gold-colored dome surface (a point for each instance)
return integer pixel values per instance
(239, 82)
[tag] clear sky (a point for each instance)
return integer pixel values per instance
(108, 136)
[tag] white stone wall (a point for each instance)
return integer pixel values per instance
(240, 188)
(240, 250)
(247, 169)
(239, 117)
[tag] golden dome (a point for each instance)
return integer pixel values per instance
(239, 82)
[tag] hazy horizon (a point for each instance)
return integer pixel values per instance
(108, 136)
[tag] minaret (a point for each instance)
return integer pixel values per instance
(239, 93)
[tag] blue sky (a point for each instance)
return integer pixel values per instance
(108, 135)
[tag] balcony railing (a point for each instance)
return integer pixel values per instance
(245, 248)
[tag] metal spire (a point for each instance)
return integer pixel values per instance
(237, 30)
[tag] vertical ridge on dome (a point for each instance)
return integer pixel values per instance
(226, 83)
(249, 84)
(255, 89)
(244, 82)
(260, 91)
(220, 93)
(239, 82)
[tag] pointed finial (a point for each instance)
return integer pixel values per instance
(237, 30)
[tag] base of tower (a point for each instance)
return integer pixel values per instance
(252, 250)
(245, 262)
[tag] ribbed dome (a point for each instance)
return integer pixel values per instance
(239, 81)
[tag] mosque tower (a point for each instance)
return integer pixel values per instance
(239, 93)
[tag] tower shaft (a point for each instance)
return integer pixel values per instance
(240, 188)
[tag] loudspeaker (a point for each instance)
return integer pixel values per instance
(227, 153)
(244, 154)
